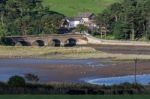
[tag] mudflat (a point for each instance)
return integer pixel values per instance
(70, 71)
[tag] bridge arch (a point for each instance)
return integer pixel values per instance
(70, 42)
(38, 43)
(22, 43)
(55, 43)
(8, 41)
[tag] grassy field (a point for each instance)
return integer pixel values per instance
(63, 53)
(45, 52)
(72, 7)
(73, 97)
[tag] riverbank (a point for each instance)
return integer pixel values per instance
(51, 63)
(70, 70)
(64, 53)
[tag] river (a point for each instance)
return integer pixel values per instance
(93, 71)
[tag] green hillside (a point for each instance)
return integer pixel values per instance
(72, 7)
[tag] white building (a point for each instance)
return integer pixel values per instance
(73, 22)
(86, 19)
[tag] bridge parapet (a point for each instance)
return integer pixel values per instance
(48, 40)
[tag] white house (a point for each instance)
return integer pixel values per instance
(73, 22)
(86, 19)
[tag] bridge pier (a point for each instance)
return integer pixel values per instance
(62, 44)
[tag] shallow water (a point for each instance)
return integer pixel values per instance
(64, 70)
(141, 79)
(43, 61)
(40, 67)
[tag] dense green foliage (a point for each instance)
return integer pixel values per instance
(129, 19)
(74, 97)
(18, 85)
(81, 28)
(31, 78)
(16, 81)
(73, 7)
(27, 17)
(71, 89)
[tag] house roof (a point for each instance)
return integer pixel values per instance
(73, 18)
(80, 16)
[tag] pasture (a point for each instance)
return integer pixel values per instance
(72, 7)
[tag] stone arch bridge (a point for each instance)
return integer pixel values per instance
(47, 40)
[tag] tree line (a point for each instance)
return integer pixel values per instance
(27, 17)
(128, 20)
(19, 85)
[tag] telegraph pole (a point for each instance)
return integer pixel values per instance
(135, 70)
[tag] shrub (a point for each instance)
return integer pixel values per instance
(31, 77)
(80, 28)
(16, 81)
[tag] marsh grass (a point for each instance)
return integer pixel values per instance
(63, 53)
(10, 52)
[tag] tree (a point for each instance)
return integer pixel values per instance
(2, 11)
(121, 30)
(116, 8)
(23, 25)
(50, 23)
(16, 81)
(134, 14)
(31, 77)
(28, 17)
(146, 15)
(81, 28)
(19, 15)
(3, 31)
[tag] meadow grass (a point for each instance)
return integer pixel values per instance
(63, 53)
(72, 7)
(39, 52)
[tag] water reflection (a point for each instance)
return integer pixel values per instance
(141, 79)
